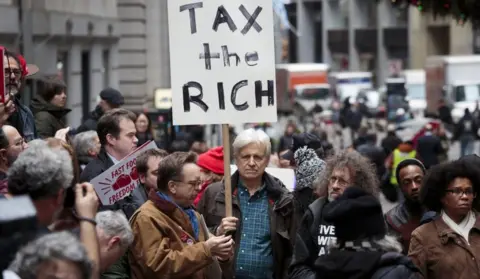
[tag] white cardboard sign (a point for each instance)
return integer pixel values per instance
(119, 180)
(222, 61)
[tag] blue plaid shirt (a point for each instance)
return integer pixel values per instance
(255, 255)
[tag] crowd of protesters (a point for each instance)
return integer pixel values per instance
(174, 223)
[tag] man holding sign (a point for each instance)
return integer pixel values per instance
(116, 131)
(262, 210)
(223, 72)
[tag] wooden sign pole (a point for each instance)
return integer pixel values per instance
(226, 166)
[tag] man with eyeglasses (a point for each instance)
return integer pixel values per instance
(16, 71)
(11, 145)
(346, 169)
(403, 219)
(171, 239)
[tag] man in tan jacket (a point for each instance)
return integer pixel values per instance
(170, 237)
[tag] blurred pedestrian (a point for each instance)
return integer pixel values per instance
(466, 131)
(109, 99)
(144, 129)
(212, 168)
(49, 106)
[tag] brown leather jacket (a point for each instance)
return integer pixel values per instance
(282, 225)
(164, 246)
(440, 253)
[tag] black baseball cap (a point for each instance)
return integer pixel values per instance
(112, 96)
(300, 140)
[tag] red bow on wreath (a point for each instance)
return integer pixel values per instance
(23, 65)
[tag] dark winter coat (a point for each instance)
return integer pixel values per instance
(429, 148)
(90, 124)
(212, 207)
(343, 264)
(390, 142)
(48, 118)
(307, 246)
(24, 121)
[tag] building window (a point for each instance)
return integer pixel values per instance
(106, 68)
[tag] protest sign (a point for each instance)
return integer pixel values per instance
(222, 61)
(119, 180)
(287, 176)
(3, 91)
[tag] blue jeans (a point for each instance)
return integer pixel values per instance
(466, 145)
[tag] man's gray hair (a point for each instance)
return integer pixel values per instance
(114, 223)
(48, 248)
(40, 171)
(249, 136)
(84, 142)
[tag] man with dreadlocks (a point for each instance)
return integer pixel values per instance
(314, 233)
(16, 70)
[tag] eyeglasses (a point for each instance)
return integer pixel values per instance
(340, 181)
(460, 192)
(10, 71)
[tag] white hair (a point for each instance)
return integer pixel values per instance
(114, 223)
(49, 248)
(40, 171)
(84, 142)
(250, 136)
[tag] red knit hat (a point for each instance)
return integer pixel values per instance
(212, 160)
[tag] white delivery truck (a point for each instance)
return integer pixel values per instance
(349, 84)
(415, 87)
(455, 79)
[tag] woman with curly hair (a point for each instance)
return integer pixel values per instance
(449, 246)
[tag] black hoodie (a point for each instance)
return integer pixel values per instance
(90, 123)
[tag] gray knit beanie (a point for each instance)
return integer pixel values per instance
(309, 167)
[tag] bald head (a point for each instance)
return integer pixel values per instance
(16, 144)
(12, 134)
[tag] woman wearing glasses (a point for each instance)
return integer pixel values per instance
(449, 246)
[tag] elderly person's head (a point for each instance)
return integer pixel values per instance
(11, 145)
(57, 255)
(114, 237)
(451, 188)
(43, 173)
(346, 169)
(251, 150)
(87, 145)
(179, 178)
